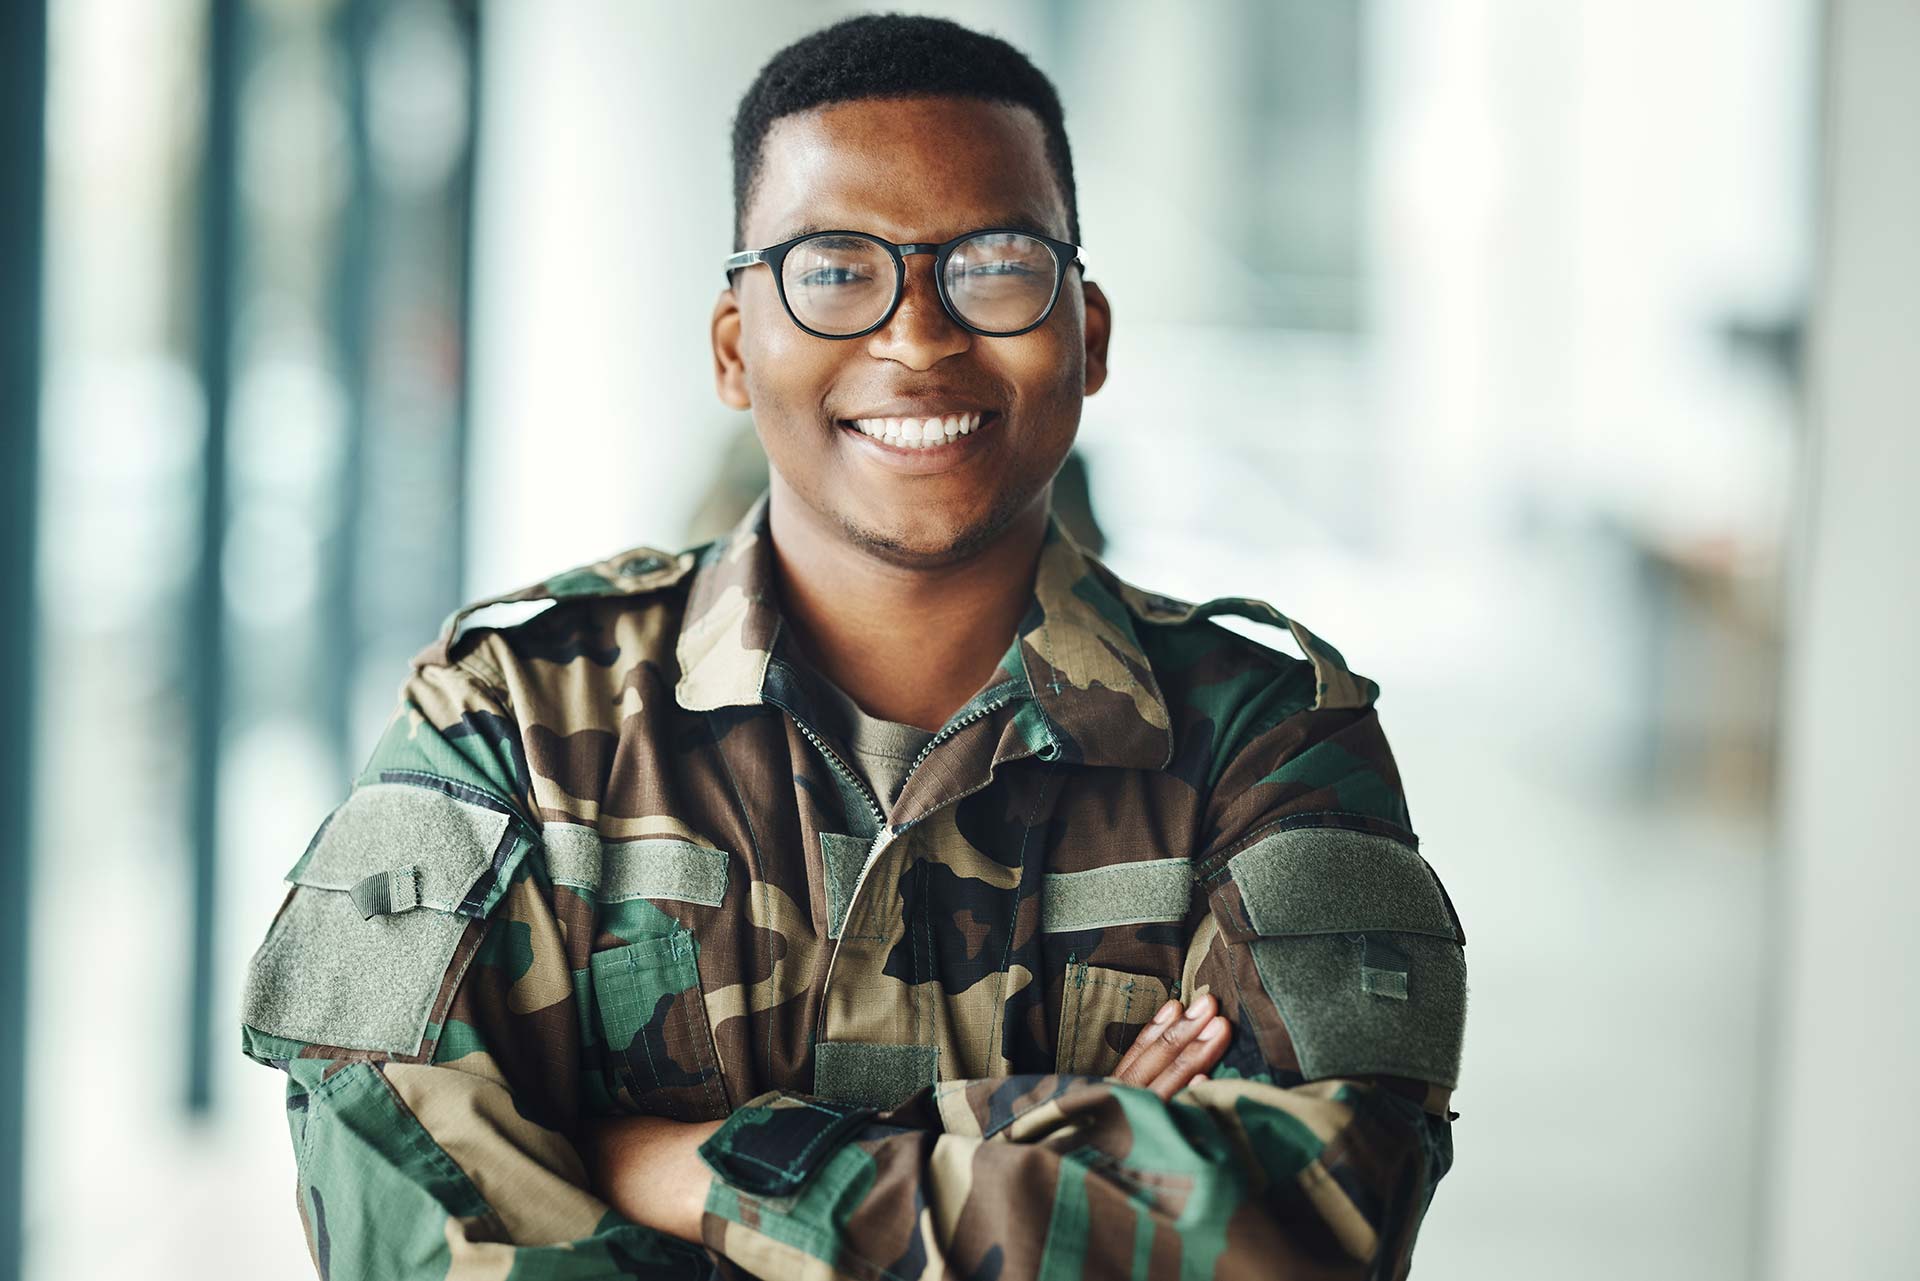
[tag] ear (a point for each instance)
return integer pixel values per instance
(1099, 325)
(729, 366)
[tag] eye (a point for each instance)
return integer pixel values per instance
(823, 276)
(1005, 267)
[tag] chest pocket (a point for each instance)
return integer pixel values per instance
(649, 1013)
(1103, 1007)
(1101, 1011)
(652, 1019)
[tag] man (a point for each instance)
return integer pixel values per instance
(884, 889)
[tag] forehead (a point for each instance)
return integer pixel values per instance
(909, 169)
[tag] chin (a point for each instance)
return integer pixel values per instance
(926, 540)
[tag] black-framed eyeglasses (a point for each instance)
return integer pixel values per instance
(996, 282)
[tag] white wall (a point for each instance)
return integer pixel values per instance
(1845, 1167)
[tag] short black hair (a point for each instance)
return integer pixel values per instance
(893, 55)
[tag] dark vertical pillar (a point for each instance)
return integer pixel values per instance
(23, 88)
(205, 661)
(468, 14)
(353, 320)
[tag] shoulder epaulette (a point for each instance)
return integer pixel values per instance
(1335, 685)
(633, 572)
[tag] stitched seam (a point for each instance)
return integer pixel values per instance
(1046, 652)
(1086, 978)
(1076, 984)
(703, 1043)
(922, 994)
(653, 1072)
(757, 874)
(997, 1039)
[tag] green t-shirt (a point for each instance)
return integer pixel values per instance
(880, 750)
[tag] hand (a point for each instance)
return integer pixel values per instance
(649, 1169)
(1174, 1050)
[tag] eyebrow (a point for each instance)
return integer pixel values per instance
(1014, 221)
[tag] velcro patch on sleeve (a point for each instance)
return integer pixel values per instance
(1355, 942)
(386, 827)
(1331, 880)
(381, 898)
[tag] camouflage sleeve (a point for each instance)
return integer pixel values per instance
(1312, 1152)
(414, 988)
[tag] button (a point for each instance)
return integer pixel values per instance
(639, 565)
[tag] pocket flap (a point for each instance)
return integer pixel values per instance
(348, 962)
(1334, 880)
(397, 846)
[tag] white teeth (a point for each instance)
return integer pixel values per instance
(919, 433)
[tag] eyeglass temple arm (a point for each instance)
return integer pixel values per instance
(745, 258)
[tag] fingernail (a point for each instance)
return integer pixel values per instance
(1166, 1012)
(1198, 1008)
(1213, 1029)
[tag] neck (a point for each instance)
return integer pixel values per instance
(907, 644)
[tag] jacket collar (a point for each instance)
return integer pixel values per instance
(1076, 655)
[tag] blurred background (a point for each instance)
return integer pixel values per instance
(1558, 362)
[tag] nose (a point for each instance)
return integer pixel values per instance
(920, 333)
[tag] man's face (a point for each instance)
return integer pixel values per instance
(909, 170)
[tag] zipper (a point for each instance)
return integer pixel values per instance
(846, 771)
(866, 793)
(953, 727)
(885, 834)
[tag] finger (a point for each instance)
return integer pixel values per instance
(1148, 1034)
(1199, 1054)
(1172, 1039)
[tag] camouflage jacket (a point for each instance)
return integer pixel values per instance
(603, 862)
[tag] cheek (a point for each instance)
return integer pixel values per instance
(1050, 371)
(787, 373)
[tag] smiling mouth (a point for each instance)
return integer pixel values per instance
(922, 433)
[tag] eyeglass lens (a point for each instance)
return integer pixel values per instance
(998, 281)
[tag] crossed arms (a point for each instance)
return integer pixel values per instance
(433, 1064)
(650, 1168)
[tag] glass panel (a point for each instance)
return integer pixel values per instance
(1001, 281)
(839, 284)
